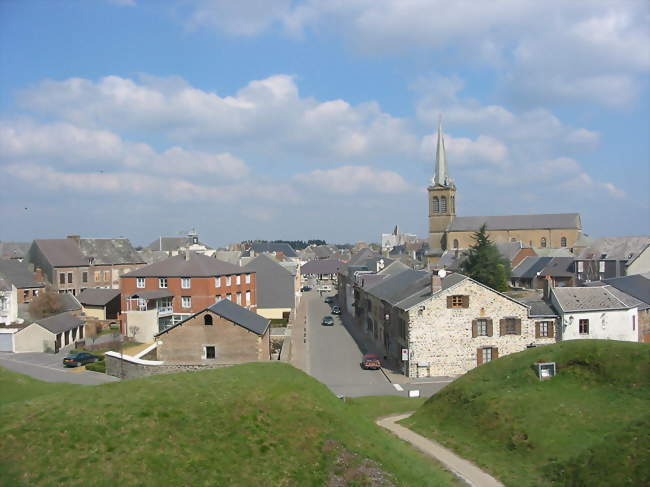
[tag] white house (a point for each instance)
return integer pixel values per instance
(599, 312)
(8, 303)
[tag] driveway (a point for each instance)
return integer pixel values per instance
(48, 367)
(334, 356)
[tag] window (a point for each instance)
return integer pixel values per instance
(248, 278)
(248, 297)
(238, 298)
(217, 282)
(61, 278)
(457, 301)
(229, 297)
(185, 282)
(436, 205)
(207, 320)
(443, 204)
(455, 243)
(162, 283)
(35, 292)
(186, 301)
(402, 328)
(210, 352)
(69, 277)
(228, 281)
(543, 243)
(482, 328)
(218, 298)
(510, 326)
(238, 280)
(25, 295)
(583, 327)
(601, 266)
(633, 323)
(563, 242)
(84, 276)
(487, 355)
(98, 276)
(580, 266)
(3, 304)
(452, 202)
(107, 275)
(544, 329)
(139, 282)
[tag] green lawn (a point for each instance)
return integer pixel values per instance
(251, 425)
(17, 388)
(375, 407)
(590, 425)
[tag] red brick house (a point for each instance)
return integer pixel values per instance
(157, 296)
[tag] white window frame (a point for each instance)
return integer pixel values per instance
(480, 325)
(239, 298)
(229, 297)
(186, 282)
(162, 283)
(248, 297)
(140, 282)
(487, 354)
(228, 280)
(248, 278)
(186, 301)
(238, 280)
(601, 266)
(217, 281)
(580, 266)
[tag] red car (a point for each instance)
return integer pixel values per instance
(371, 361)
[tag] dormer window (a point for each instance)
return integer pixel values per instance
(91, 260)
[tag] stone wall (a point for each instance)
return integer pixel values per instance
(440, 338)
(127, 368)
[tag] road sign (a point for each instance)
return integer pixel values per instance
(405, 354)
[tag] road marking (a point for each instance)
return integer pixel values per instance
(398, 387)
(34, 365)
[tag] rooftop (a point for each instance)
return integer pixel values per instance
(592, 298)
(516, 222)
(196, 265)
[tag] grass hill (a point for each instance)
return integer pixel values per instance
(249, 425)
(590, 425)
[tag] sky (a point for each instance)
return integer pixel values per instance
(280, 119)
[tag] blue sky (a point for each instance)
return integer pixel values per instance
(316, 119)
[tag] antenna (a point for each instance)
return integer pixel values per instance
(442, 273)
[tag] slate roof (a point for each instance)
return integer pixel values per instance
(592, 298)
(363, 254)
(60, 323)
(400, 285)
(106, 251)
(4, 285)
(198, 265)
(559, 267)
(516, 222)
(169, 244)
(230, 256)
(61, 252)
(325, 266)
(539, 307)
(549, 252)
(156, 294)
(18, 274)
(151, 256)
(269, 247)
(13, 250)
(617, 248)
(509, 250)
(69, 302)
(529, 267)
(274, 285)
(97, 297)
(636, 285)
(425, 293)
(235, 314)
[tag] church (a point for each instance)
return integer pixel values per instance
(448, 231)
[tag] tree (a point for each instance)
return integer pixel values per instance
(485, 264)
(46, 304)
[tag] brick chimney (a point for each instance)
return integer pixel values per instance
(436, 280)
(38, 275)
(76, 238)
(548, 284)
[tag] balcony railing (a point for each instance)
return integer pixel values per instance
(165, 310)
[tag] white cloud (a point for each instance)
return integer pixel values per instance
(354, 179)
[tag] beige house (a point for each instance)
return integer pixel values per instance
(49, 334)
(276, 287)
(100, 304)
(225, 333)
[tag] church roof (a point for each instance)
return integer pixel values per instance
(516, 222)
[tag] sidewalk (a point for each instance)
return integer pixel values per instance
(462, 468)
(299, 353)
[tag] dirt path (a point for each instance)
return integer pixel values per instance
(464, 469)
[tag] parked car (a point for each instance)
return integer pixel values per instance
(336, 310)
(80, 358)
(329, 299)
(371, 361)
(328, 321)
(305, 289)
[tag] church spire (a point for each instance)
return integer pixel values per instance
(440, 176)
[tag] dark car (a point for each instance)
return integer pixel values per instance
(328, 321)
(371, 361)
(305, 289)
(80, 358)
(336, 310)
(329, 299)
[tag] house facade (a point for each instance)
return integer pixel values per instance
(612, 257)
(52, 334)
(28, 284)
(224, 333)
(275, 287)
(8, 303)
(157, 296)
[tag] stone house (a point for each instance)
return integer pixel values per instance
(224, 333)
(441, 326)
(597, 312)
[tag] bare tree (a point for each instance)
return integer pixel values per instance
(134, 331)
(46, 304)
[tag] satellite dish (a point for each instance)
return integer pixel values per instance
(442, 273)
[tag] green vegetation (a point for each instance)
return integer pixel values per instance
(97, 366)
(589, 425)
(485, 264)
(16, 388)
(375, 407)
(250, 425)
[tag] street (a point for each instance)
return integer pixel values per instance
(334, 358)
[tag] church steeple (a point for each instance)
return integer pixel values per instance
(440, 176)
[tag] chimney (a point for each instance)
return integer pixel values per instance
(548, 284)
(38, 275)
(436, 280)
(76, 238)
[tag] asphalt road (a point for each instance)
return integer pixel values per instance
(334, 358)
(48, 367)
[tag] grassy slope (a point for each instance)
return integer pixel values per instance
(250, 425)
(15, 387)
(590, 425)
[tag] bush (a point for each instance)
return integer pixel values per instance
(97, 366)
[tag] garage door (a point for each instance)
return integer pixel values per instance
(6, 342)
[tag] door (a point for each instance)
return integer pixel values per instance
(6, 342)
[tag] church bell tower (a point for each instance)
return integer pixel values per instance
(442, 203)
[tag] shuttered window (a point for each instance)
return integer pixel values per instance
(544, 329)
(510, 326)
(486, 354)
(482, 327)
(458, 301)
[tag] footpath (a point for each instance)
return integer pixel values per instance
(299, 353)
(462, 468)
